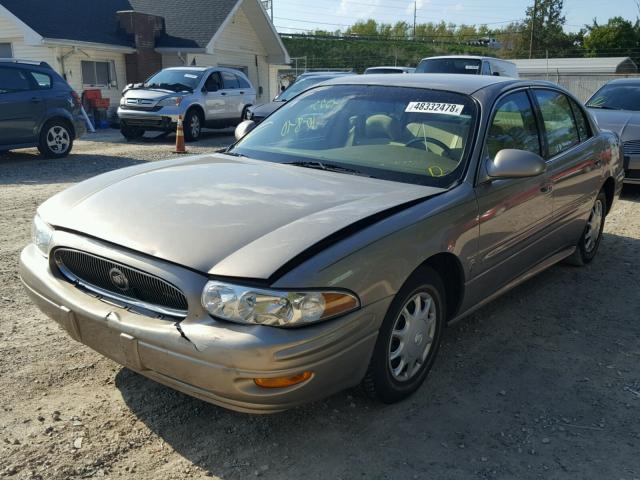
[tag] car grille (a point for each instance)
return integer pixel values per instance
(632, 147)
(140, 109)
(117, 281)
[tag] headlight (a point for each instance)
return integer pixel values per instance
(170, 102)
(41, 234)
(272, 307)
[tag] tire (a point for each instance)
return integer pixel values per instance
(587, 246)
(132, 133)
(193, 122)
(56, 139)
(385, 379)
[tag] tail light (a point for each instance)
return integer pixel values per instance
(76, 98)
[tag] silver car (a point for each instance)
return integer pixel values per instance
(616, 107)
(333, 243)
(204, 97)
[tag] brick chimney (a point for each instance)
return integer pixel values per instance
(145, 28)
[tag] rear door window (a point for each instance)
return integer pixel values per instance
(513, 126)
(229, 80)
(42, 80)
(14, 80)
(559, 124)
(581, 121)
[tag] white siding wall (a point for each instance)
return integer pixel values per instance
(73, 69)
(237, 46)
(12, 33)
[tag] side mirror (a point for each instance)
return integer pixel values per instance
(511, 163)
(243, 128)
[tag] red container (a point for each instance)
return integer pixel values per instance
(93, 94)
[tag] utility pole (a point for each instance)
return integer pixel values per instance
(533, 26)
(415, 8)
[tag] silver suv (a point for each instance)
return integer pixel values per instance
(212, 97)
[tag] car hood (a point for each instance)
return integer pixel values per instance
(623, 122)
(152, 93)
(222, 215)
(265, 109)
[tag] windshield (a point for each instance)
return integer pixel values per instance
(412, 135)
(299, 87)
(176, 80)
(449, 65)
(617, 97)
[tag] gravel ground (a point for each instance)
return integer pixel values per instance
(542, 383)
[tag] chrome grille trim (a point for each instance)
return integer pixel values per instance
(631, 147)
(149, 292)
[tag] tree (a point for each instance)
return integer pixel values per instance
(363, 28)
(543, 26)
(617, 37)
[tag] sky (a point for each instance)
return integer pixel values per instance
(298, 16)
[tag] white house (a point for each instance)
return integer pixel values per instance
(106, 44)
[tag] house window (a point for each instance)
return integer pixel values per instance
(96, 74)
(5, 50)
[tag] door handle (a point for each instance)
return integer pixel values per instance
(241, 93)
(36, 99)
(223, 93)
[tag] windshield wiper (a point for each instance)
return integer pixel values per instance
(329, 167)
(603, 107)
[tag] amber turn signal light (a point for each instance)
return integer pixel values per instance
(281, 382)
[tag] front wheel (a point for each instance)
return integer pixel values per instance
(56, 139)
(408, 340)
(589, 242)
(193, 125)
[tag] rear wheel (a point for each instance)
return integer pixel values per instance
(193, 122)
(589, 242)
(408, 340)
(56, 139)
(131, 133)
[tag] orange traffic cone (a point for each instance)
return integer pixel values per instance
(180, 137)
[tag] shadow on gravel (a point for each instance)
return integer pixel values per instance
(25, 167)
(224, 136)
(537, 384)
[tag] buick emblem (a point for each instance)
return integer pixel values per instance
(118, 279)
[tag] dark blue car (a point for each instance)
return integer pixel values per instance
(38, 108)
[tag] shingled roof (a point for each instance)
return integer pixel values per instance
(188, 23)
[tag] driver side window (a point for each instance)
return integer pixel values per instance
(513, 126)
(214, 82)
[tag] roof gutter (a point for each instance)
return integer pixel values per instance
(95, 46)
(180, 50)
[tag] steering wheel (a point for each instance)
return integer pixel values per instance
(422, 143)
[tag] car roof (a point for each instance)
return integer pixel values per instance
(624, 81)
(466, 84)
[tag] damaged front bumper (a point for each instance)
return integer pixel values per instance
(208, 359)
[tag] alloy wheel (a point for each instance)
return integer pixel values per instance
(412, 336)
(58, 139)
(593, 226)
(194, 126)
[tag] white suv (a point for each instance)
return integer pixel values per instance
(212, 97)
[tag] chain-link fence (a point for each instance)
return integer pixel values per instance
(581, 85)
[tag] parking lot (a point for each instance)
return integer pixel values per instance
(542, 383)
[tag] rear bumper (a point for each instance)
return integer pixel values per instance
(214, 361)
(79, 126)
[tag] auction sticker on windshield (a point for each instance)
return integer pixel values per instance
(435, 107)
